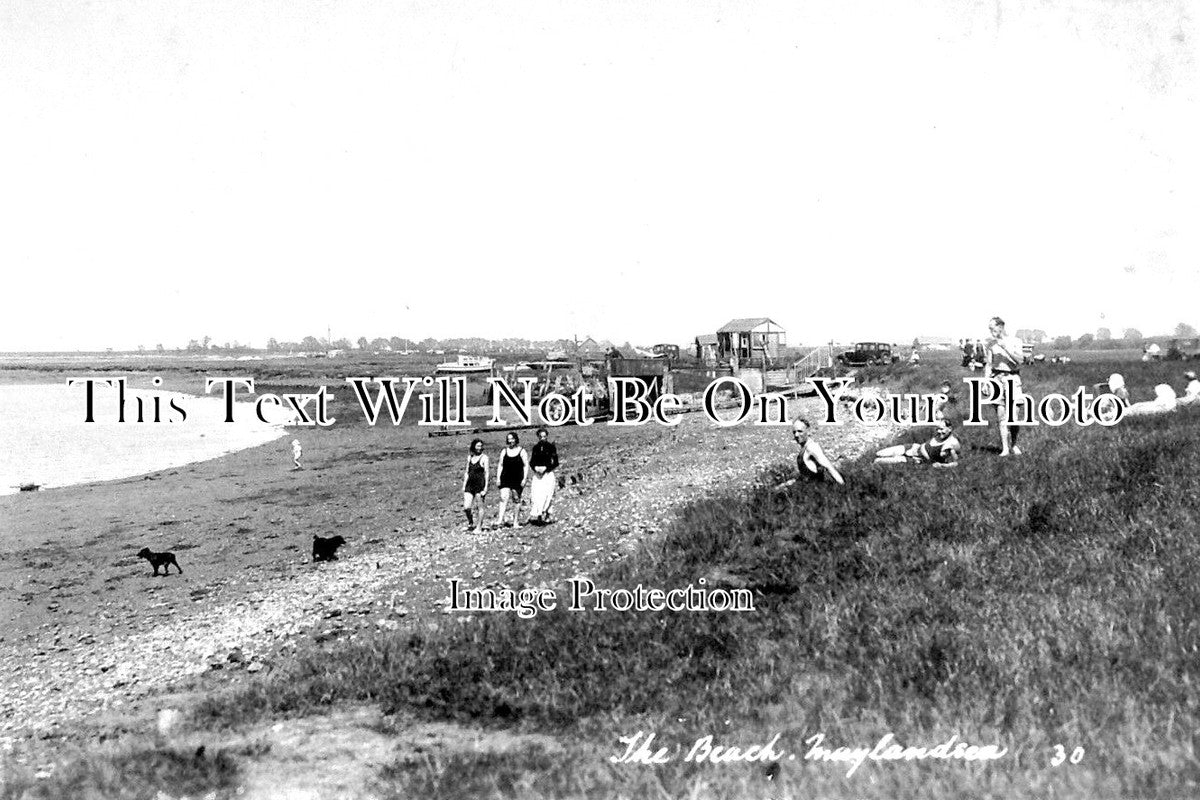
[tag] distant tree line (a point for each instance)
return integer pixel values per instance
(206, 345)
(1103, 338)
(313, 344)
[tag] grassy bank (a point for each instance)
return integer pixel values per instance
(1043, 601)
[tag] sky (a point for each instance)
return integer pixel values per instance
(637, 171)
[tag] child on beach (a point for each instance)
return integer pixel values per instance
(475, 484)
(297, 450)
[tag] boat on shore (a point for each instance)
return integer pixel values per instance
(466, 365)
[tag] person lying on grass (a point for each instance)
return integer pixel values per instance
(941, 450)
(1164, 400)
(812, 465)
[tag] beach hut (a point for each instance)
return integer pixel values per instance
(750, 338)
(706, 348)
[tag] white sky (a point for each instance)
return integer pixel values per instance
(629, 169)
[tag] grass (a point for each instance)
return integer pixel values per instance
(150, 772)
(1028, 603)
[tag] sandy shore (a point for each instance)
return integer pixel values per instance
(88, 629)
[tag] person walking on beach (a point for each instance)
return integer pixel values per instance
(941, 450)
(1002, 362)
(475, 481)
(544, 461)
(812, 465)
(512, 473)
(297, 451)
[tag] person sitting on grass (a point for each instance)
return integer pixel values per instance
(1191, 392)
(941, 450)
(1116, 387)
(812, 465)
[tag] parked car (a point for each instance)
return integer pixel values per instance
(668, 351)
(868, 354)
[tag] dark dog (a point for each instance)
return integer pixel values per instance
(164, 560)
(326, 549)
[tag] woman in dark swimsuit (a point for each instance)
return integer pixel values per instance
(475, 483)
(512, 472)
(941, 450)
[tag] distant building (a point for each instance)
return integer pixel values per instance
(937, 343)
(590, 348)
(749, 338)
(706, 348)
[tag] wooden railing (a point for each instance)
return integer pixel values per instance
(800, 370)
(807, 367)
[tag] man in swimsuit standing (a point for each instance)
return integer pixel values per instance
(1002, 362)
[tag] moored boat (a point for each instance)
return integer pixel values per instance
(467, 364)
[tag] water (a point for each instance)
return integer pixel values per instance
(44, 439)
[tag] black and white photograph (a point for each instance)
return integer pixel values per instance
(584, 400)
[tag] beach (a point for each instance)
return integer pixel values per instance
(331, 679)
(92, 631)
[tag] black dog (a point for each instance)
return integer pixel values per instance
(326, 549)
(164, 560)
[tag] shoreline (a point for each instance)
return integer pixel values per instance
(241, 526)
(52, 447)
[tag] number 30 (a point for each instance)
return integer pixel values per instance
(1060, 755)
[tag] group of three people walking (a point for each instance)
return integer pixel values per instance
(514, 470)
